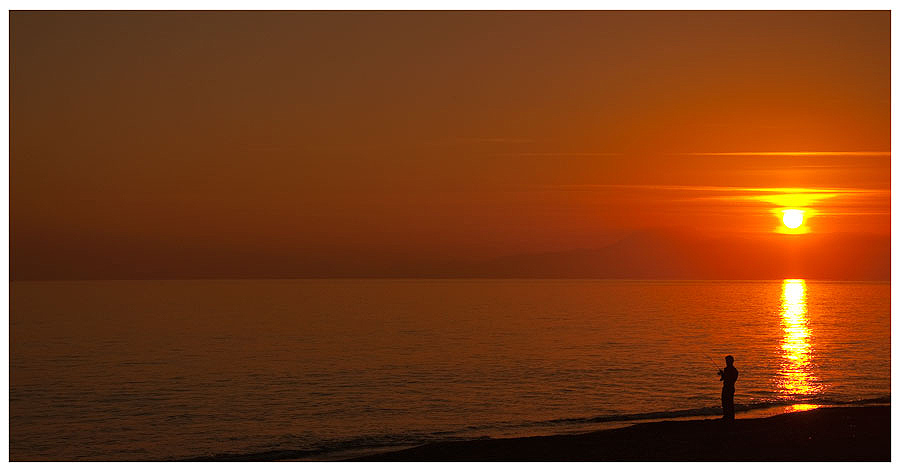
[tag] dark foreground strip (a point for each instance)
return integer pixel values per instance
(826, 434)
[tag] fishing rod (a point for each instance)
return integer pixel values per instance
(713, 362)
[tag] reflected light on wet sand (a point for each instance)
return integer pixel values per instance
(795, 376)
(801, 407)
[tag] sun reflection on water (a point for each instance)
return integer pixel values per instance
(795, 377)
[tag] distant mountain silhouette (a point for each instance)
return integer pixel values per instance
(672, 255)
(657, 254)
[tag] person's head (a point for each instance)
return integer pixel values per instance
(729, 360)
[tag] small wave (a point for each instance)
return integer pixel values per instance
(708, 411)
(280, 455)
(865, 401)
(333, 447)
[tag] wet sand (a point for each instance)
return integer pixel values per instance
(824, 434)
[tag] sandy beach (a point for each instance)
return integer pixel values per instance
(824, 434)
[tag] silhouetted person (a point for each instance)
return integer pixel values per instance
(728, 376)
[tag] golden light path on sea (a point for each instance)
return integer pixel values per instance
(795, 375)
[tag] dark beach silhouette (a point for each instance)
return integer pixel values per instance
(824, 434)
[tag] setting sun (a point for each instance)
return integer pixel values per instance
(792, 218)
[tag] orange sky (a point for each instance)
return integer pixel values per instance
(313, 144)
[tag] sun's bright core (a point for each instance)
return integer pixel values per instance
(792, 218)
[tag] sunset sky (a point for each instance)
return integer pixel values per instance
(273, 144)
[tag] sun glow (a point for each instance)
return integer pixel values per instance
(792, 218)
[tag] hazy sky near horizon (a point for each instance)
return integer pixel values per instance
(412, 137)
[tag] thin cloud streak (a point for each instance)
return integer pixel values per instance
(709, 154)
(713, 188)
(790, 153)
(779, 197)
(561, 154)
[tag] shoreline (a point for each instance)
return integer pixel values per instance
(840, 433)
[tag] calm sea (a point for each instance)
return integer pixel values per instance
(145, 370)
